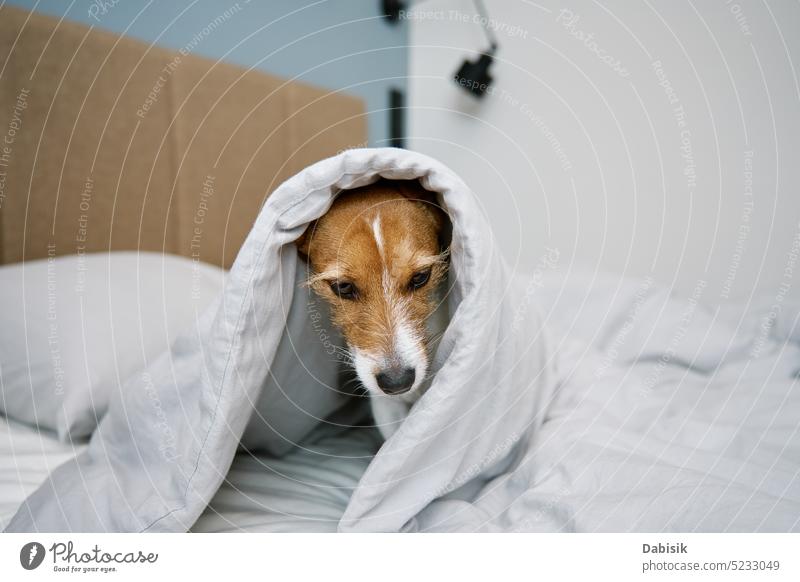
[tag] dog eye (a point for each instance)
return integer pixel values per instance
(419, 280)
(344, 290)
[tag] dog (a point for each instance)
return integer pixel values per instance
(379, 257)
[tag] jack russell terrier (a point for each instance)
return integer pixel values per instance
(377, 257)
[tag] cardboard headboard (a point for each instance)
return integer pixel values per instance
(107, 143)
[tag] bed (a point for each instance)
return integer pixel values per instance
(606, 470)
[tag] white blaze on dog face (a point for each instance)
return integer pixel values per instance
(377, 261)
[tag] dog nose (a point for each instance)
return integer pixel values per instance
(395, 380)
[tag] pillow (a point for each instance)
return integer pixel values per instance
(74, 328)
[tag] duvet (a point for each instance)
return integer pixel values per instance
(650, 414)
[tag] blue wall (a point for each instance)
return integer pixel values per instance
(337, 44)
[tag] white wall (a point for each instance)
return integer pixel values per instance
(579, 147)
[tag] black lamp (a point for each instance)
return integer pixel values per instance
(473, 76)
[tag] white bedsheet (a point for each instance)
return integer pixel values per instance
(305, 491)
(26, 458)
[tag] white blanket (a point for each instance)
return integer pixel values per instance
(668, 417)
(643, 413)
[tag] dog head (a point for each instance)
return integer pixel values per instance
(376, 257)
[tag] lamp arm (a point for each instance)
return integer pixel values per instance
(490, 36)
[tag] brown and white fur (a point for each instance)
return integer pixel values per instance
(377, 258)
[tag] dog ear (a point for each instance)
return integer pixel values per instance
(304, 240)
(444, 227)
(413, 190)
